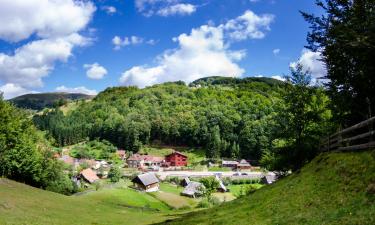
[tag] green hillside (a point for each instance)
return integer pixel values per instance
(335, 188)
(43, 100)
(22, 204)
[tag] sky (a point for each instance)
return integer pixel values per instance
(86, 46)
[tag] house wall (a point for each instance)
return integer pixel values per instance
(177, 160)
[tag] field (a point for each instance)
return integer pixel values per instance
(22, 204)
(335, 188)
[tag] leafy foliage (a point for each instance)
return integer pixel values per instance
(25, 155)
(345, 35)
(114, 174)
(229, 121)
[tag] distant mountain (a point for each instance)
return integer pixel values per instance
(233, 81)
(46, 100)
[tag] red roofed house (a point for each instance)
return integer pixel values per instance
(176, 159)
(140, 161)
(89, 175)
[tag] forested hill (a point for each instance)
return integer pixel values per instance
(46, 100)
(229, 121)
(233, 81)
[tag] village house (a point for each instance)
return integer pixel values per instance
(243, 165)
(89, 175)
(142, 161)
(68, 160)
(229, 164)
(193, 189)
(221, 187)
(176, 159)
(147, 182)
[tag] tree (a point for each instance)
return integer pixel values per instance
(114, 174)
(305, 118)
(210, 184)
(345, 36)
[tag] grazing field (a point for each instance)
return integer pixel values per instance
(335, 188)
(22, 204)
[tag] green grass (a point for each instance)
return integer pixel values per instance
(335, 188)
(236, 189)
(21, 204)
(219, 169)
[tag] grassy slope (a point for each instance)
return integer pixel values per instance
(333, 189)
(22, 204)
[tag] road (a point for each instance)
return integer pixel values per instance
(251, 175)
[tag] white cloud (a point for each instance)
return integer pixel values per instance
(54, 27)
(13, 90)
(178, 9)
(311, 61)
(278, 77)
(248, 25)
(110, 10)
(19, 19)
(35, 60)
(119, 42)
(276, 51)
(95, 71)
(164, 7)
(203, 52)
(80, 89)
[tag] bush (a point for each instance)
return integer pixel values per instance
(114, 174)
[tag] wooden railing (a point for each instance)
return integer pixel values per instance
(357, 137)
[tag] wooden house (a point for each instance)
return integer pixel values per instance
(176, 159)
(243, 165)
(89, 175)
(146, 182)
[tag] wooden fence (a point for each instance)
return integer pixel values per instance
(357, 137)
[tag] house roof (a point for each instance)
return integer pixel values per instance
(192, 188)
(221, 184)
(243, 163)
(67, 159)
(177, 152)
(229, 162)
(89, 175)
(150, 158)
(146, 179)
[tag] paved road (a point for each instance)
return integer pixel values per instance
(252, 175)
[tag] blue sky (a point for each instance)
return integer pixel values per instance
(86, 46)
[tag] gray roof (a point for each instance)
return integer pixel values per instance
(192, 188)
(229, 162)
(244, 163)
(221, 184)
(147, 179)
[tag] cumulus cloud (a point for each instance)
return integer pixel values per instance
(119, 42)
(13, 90)
(311, 61)
(54, 27)
(203, 52)
(164, 7)
(20, 19)
(276, 51)
(248, 25)
(81, 89)
(95, 71)
(178, 9)
(110, 10)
